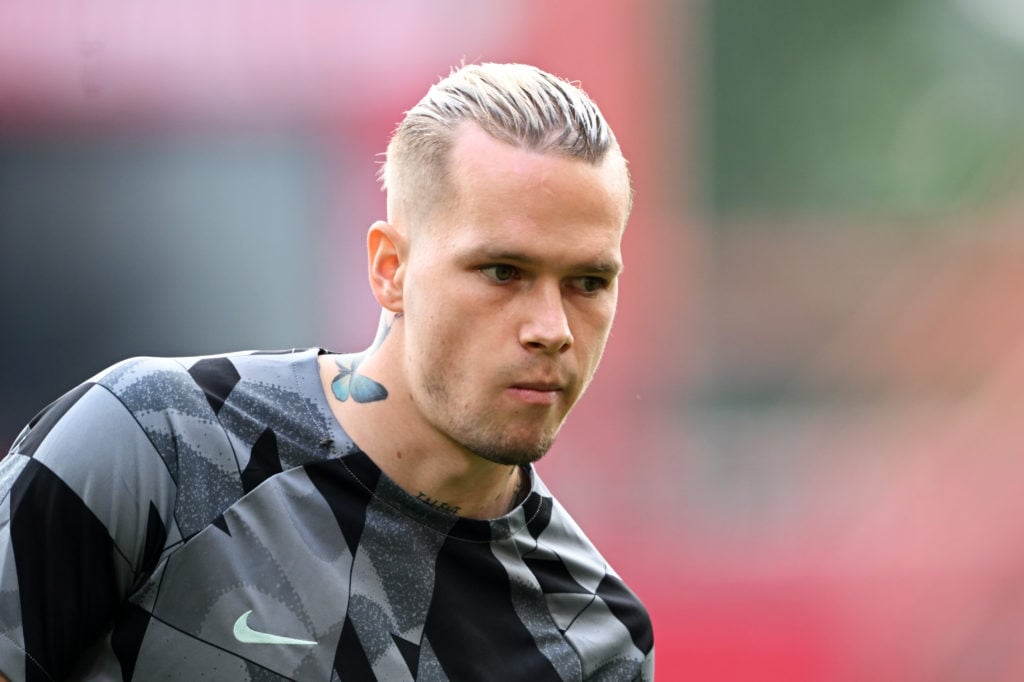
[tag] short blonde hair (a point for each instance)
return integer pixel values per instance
(514, 103)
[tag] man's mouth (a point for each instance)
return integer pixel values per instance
(536, 392)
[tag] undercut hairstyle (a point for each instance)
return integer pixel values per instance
(518, 104)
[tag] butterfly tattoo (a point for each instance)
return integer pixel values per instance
(351, 384)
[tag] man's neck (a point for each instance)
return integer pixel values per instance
(381, 420)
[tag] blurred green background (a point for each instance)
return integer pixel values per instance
(906, 107)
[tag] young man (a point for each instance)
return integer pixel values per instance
(309, 516)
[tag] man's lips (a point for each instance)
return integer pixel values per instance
(536, 392)
(539, 385)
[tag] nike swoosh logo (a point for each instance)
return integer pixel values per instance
(244, 633)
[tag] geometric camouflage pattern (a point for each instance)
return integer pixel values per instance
(208, 518)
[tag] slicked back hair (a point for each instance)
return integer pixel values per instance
(514, 103)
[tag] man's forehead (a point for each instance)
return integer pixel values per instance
(481, 165)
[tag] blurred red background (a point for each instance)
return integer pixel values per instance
(802, 449)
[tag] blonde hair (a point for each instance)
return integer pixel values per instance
(514, 103)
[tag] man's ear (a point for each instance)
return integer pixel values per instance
(386, 248)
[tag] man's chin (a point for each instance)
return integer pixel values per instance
(509, 454)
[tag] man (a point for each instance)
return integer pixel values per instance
(311, 516)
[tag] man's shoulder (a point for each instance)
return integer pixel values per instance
(223, 424)
(199, 369)
(194, 384)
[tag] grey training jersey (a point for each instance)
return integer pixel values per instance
(207, 518)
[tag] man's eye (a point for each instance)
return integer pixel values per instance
(500, 273)
(590, 285)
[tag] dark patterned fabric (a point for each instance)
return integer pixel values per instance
(208, 518)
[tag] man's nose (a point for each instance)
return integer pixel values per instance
(546, 326)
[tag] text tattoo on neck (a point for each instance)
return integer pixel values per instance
(437, 504)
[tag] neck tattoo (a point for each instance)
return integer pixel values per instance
(437, 504)
(350, 382)
(455, 508)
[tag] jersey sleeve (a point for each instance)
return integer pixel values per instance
(647, 667)
(85, 503)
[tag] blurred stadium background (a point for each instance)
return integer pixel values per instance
(804, 450)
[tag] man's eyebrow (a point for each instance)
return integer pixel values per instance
(502, 254)
(604, 267)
